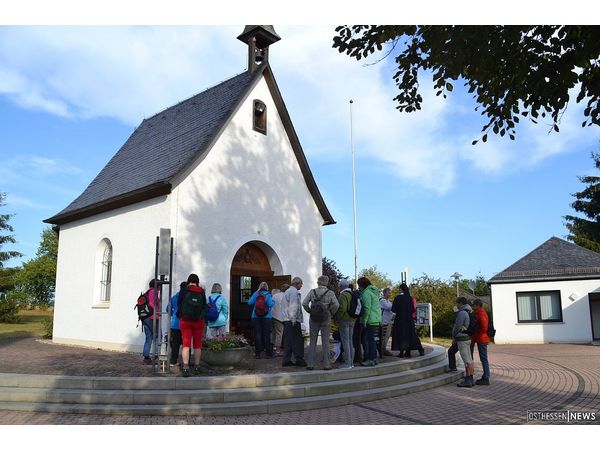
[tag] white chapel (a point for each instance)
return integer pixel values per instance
(224, 171)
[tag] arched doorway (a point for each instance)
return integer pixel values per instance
(250, 266)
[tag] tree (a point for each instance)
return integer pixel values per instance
(511, 70)
(481, 286)
(441, 295)
(330, 269)
(586, 231)
(38, 276)
(378, 279)
(5, 239)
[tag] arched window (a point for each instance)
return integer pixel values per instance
(106, 272)
(259, 121)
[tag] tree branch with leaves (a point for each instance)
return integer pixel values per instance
(513, 72)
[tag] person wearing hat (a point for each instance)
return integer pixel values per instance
(321, 304)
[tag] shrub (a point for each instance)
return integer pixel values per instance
(9, 308)
(48, 324)
(442, 297)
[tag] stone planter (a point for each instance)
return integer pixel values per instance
(225, 359)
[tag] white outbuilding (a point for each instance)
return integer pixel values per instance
(550, 295)
(224, 171)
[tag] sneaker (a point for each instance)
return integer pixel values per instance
(368, 363)
(288, 364)
(482, 382)
(185, 372)
(465, 383)
(197, 370)
(301, 363)
(346, 367)
(451, 370)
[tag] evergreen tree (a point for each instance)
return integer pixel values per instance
(6, 238)
(585, 231)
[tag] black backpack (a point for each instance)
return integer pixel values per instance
(355, 307)
(491, 331)
(144, 310)
(473, 324)
(194, 305)
(318, 311)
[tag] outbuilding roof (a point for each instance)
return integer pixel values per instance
(555, 259)
(164, 144)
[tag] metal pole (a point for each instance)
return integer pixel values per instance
(156, 310)
(354, 198)
(169, 350)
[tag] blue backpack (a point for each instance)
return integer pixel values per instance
(213, 312)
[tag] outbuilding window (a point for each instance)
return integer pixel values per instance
(541, 306)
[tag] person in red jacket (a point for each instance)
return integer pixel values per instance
(482, 340)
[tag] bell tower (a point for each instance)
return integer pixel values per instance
(258, 38)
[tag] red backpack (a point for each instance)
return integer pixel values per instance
(260, 307)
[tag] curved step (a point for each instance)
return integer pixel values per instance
(228, 395)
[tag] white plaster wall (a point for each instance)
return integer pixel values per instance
(132, 230)
(576, 324)
(249, 187)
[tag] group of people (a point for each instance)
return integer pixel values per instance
(464, 343)
(277, 319)
(187, 327)
(330, 315)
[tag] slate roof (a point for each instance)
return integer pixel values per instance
(164, 144)
(555, 259)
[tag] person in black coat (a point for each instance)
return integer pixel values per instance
(404, 334)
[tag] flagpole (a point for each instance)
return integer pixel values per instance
(354, 198)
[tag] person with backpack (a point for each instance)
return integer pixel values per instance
(371, 318)
(192, 309)
(359, 333)
(321, 304)
(481, 338)
(262, 302)
(345, 323)
(149, 325)
(175, 342)
(405, 336)
(218, 313)
(460, 334)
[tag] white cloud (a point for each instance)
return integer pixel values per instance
(133, 72)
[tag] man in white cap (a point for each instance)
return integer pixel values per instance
(321, 304)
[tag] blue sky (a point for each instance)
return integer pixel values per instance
(426, 198)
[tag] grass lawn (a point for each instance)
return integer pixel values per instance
(31, 325)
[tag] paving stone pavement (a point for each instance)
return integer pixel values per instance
(552, 377)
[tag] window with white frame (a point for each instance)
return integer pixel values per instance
(540, 306)
(106, 272)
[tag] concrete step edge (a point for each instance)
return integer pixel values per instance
(238, 408)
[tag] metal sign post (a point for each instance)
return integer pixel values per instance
(163, 268)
